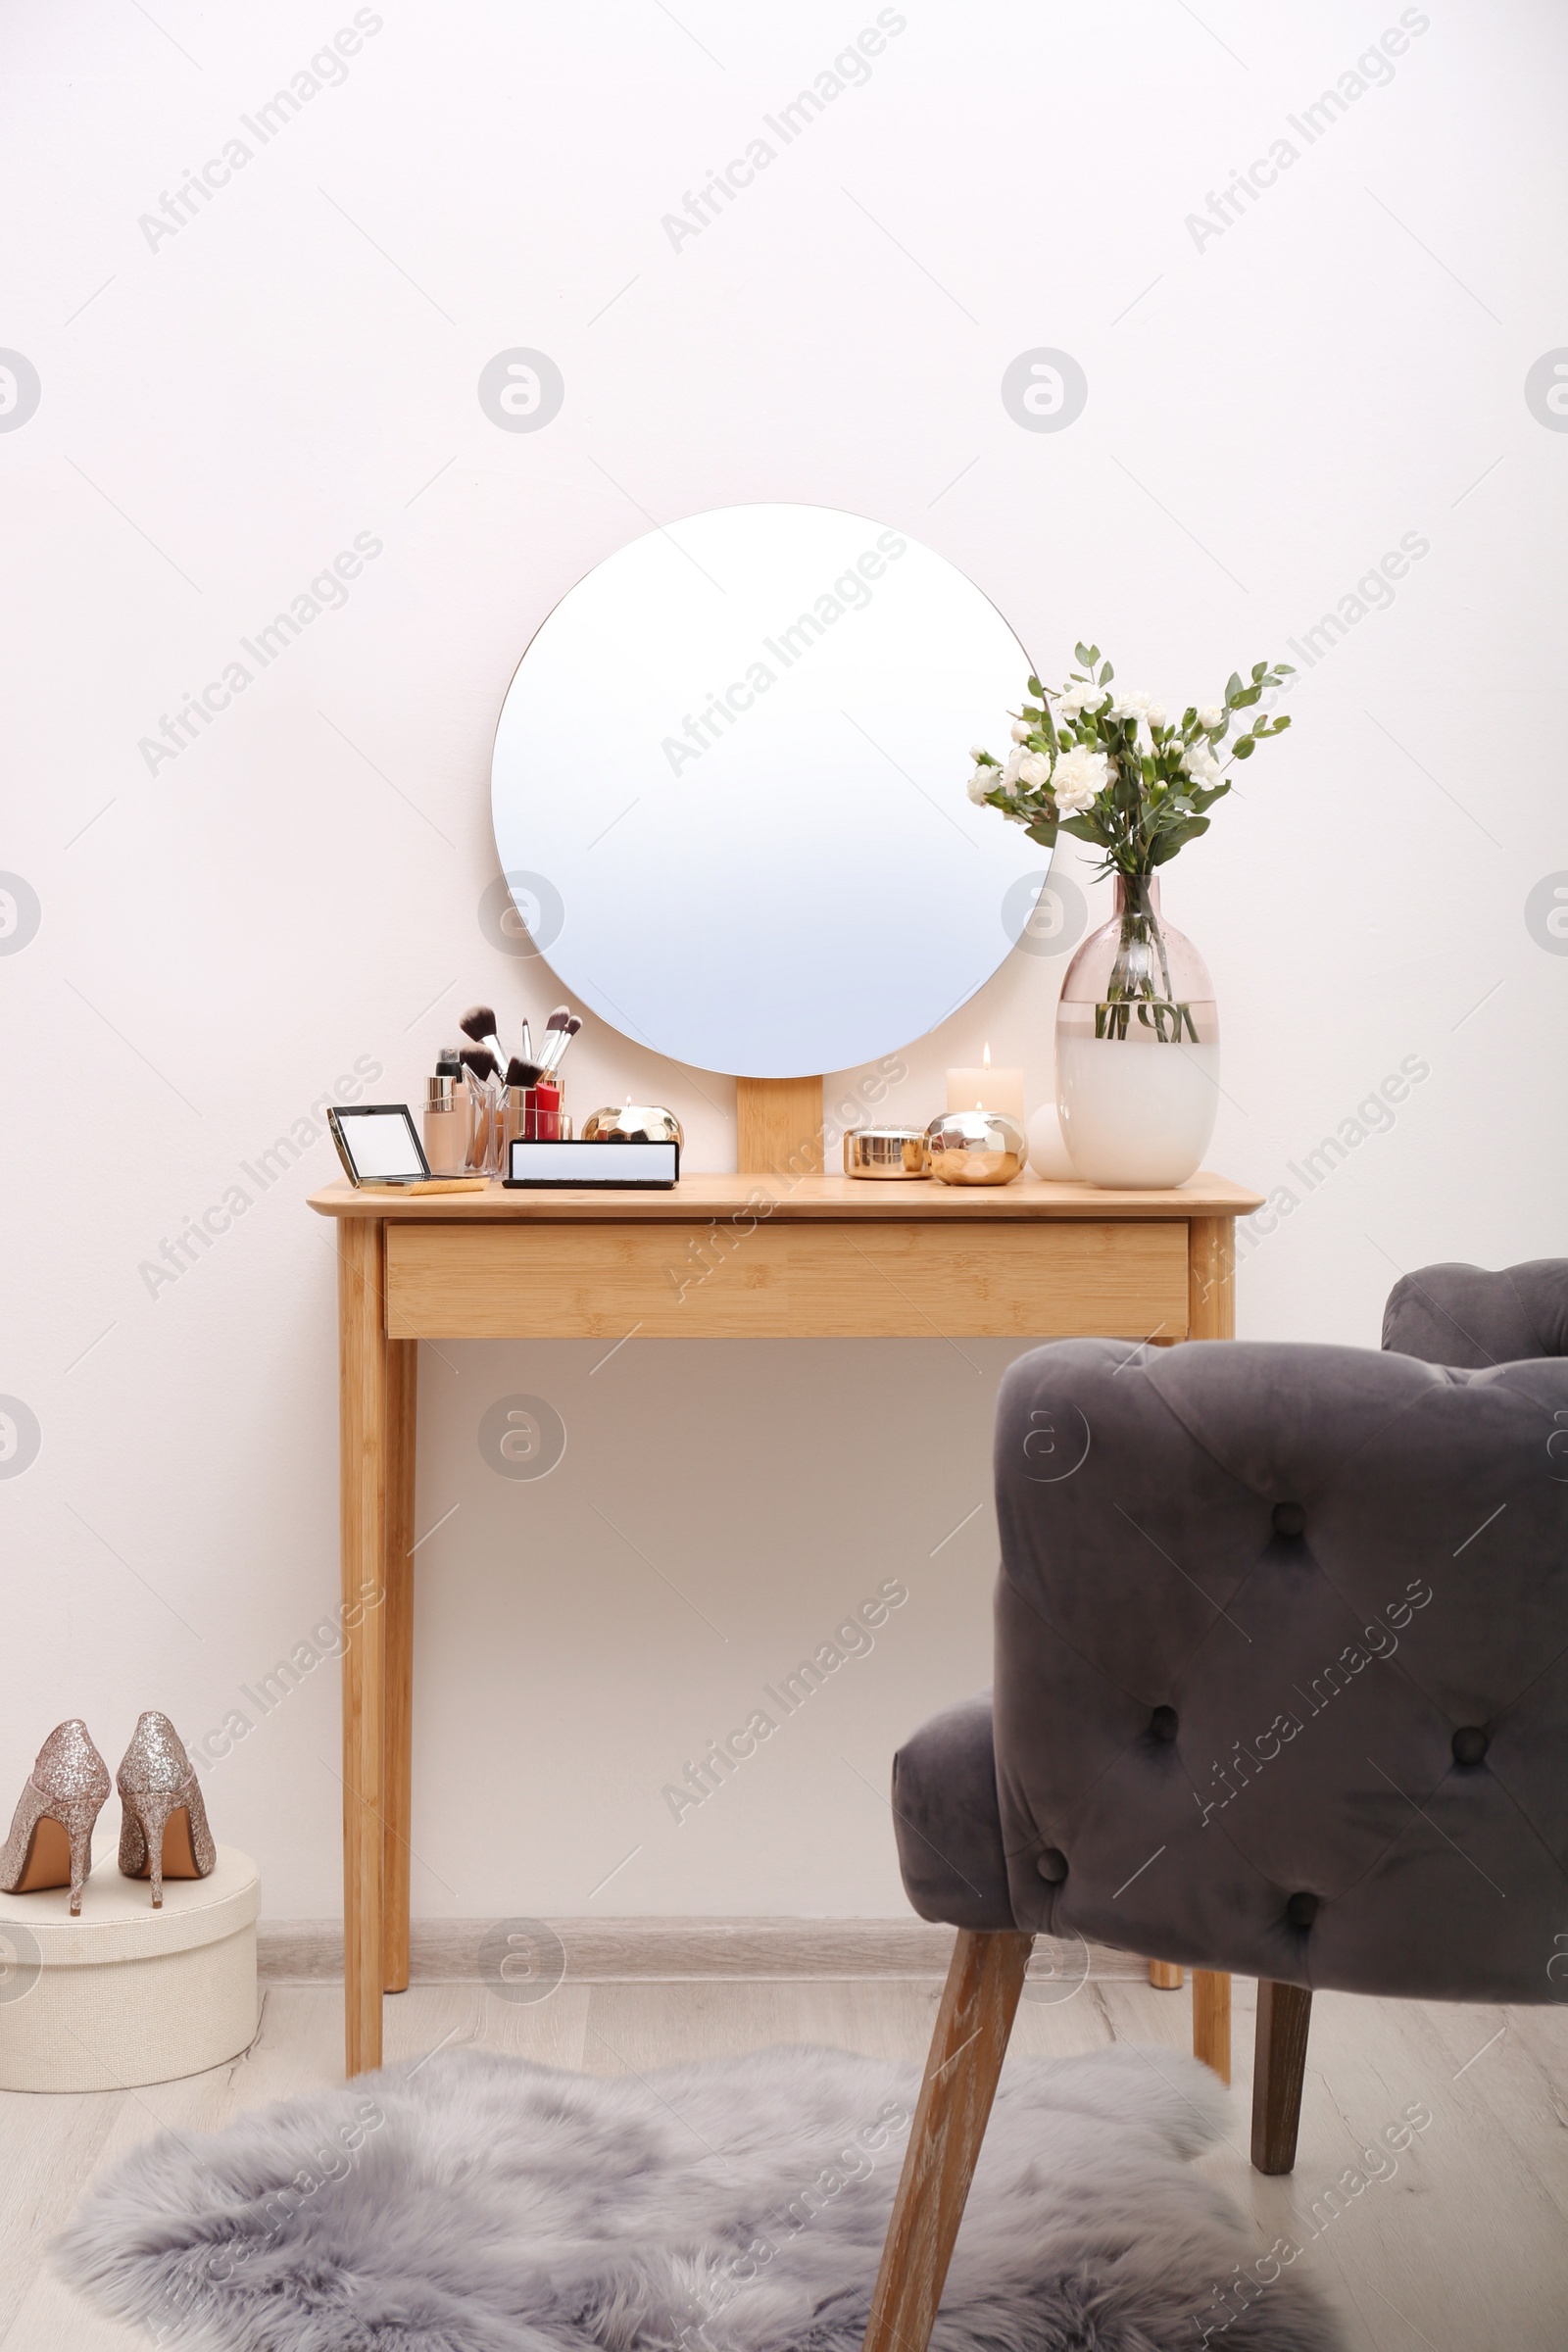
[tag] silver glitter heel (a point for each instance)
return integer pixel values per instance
(163, 1828)
(51, 1833)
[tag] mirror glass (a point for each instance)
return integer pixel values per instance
(728, 791)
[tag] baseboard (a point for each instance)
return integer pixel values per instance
(616, 1950)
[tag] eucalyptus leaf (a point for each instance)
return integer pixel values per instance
(1177, 838)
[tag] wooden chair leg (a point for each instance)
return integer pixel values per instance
(970, 2042)
(1211, 2020)
(1279, 2071)
(1166, 1976)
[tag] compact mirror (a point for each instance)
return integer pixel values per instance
(728, 791)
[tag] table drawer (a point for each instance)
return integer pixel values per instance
(807, 1280)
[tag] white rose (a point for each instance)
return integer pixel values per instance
(1132, 705)
(1081, 696)
(978, 754)
(1081, 776)
(980, 784)
(1210, 716)
(1009, 774)
(1034, 770)
(1202, 765)
(1020, 731)
(1155, 715)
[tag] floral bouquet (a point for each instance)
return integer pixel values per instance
(1111, 768)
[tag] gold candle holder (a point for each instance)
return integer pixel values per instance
(976, 1147)
(633, 1123)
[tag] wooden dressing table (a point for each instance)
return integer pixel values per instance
(782, 1255)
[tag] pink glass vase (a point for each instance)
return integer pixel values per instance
(1136, 1049)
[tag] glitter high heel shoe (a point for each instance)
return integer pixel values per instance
(162, 1829)
(51, 1833)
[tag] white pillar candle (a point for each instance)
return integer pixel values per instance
(987, 1089)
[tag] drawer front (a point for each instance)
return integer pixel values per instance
(1051, 1280)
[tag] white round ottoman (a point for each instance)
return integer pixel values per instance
(126, 1994)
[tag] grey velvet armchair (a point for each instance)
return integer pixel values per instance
(1281, 1690)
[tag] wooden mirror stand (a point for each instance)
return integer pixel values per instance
(778, 1126)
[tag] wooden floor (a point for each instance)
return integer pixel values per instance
(1465, 2249)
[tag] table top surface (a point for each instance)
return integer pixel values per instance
(823, 1198)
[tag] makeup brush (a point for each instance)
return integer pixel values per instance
(522, 1071)
(555, 1045)
(527, 1041)
(497, 1104)
(555, 1028)
(477, 1058)
(478, 1110)
(480, 1023)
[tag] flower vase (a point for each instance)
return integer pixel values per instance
(1136, 1049)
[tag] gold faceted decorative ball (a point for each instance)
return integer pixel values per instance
(633, 1123)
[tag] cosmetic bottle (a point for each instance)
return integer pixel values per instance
(446, 1122)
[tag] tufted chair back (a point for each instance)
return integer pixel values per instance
(1281, 1646)
(1468, 1316)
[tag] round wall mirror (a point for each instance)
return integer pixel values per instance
(728, 791)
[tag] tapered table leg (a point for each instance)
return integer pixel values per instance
(1211, 2021)
(1211, 1315)
(1212, 1278)
(402, 1357)
(363, 1455)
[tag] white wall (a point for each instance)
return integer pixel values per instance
(224, 408)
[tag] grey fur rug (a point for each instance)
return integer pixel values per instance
(473, 2203)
